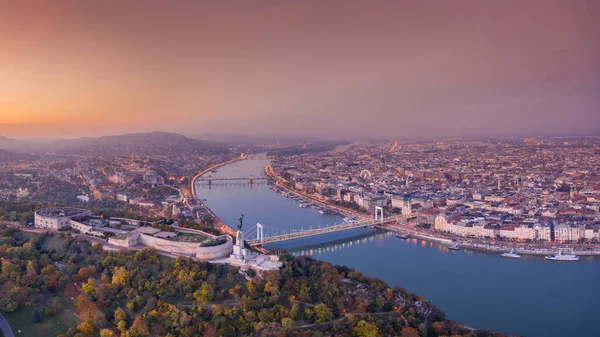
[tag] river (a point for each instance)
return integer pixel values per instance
(531, 296)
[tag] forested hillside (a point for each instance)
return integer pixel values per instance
(71, 285)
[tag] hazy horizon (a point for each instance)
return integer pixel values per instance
(357, 69)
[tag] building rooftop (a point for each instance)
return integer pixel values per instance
(61, 212)
(147, 230)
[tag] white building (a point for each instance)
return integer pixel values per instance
(568, 233)
(397, 202)
(508, 232)
(440, 223)
(525, 232)
(543, 232)
(57, 218)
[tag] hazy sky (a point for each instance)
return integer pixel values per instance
(300, 68)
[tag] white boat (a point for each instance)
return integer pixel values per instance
(562, 257)
(321, 211)
(455, 247)
(512, 255)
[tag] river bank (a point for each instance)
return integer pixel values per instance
(539, 249)
(217, 222)
(321, 203)
(495, 247)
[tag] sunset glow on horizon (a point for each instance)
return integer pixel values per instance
(311, 68)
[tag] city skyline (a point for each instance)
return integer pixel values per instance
(312, 69)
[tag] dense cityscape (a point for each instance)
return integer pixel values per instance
(537, 196)
(67, 201)
(299, 168)
(531, 190)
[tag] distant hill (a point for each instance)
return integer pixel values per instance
(249, 140)
(5, 154)
(12, 156)
(225, 138)
(139, 143)
(11, 144)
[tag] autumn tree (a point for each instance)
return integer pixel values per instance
(86, 327)
(365, 329)
(89, 289)
(106, 333)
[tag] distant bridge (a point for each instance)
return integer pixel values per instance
(211, 178)
(274, 234)
(231, 180)
(260, 182)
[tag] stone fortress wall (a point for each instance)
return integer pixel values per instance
(189, 249)
(59, 217)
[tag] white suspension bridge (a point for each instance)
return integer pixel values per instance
(263, 234)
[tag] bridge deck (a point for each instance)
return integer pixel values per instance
(226, 178)
(318, 231)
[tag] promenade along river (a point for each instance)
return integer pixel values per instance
(530, 297)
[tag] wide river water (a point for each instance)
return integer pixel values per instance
(530, 297)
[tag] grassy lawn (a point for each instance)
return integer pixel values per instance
(189, 237)
(49, 327)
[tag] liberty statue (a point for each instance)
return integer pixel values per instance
(240, 222)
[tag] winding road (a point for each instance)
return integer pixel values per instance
(5, 327)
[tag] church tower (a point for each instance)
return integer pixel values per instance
(406, 205)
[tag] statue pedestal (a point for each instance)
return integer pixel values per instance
(239, 252)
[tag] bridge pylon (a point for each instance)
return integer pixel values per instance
(379, 214)
(260, 234)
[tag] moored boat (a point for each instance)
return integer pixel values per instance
(403, 236)
(512, 254)
(562, 257)
(455, 247)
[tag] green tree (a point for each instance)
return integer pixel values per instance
(106, 333)
(287, 323)
(120, 276)
(122, 326)
(120, 315)
(365, 329)
(205, 294)
(89, 289)
(86, 327)
(251, 287)
(294, 311)
(8, 305)
(322, 313)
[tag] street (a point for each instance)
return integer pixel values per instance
(5, 327)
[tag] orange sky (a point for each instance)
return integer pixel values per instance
(309, 68)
